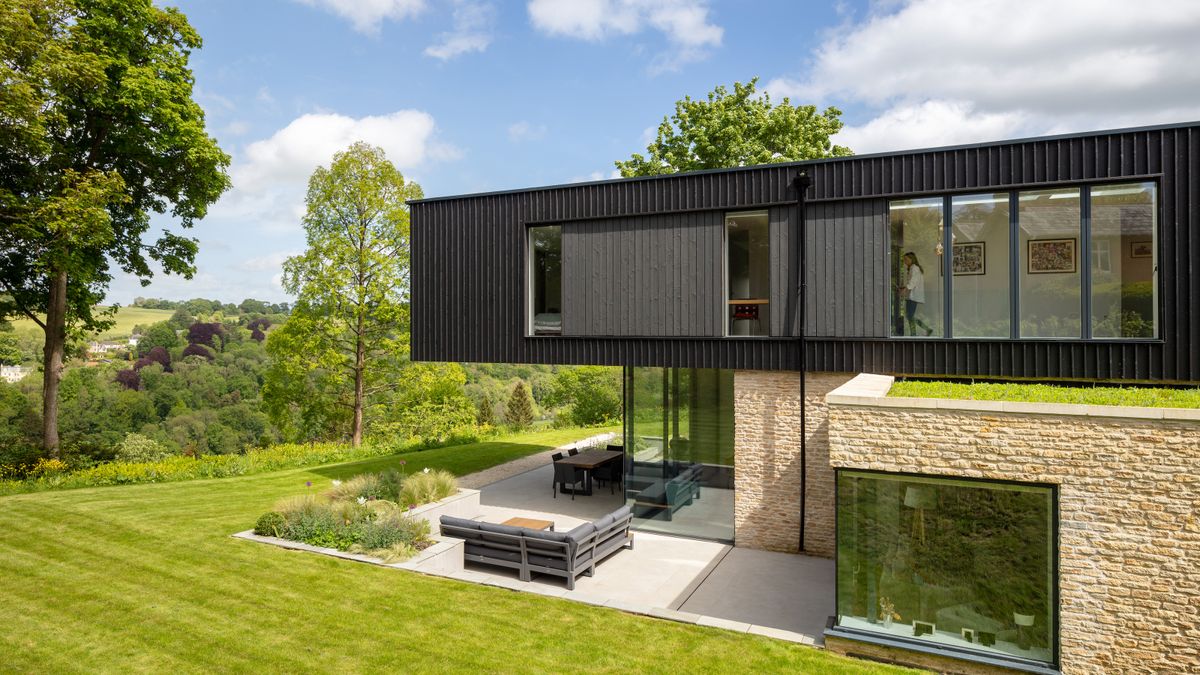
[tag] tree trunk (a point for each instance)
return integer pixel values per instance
(360, 364)
(52, 359)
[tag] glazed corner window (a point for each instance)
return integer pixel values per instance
(965, 564)
(1124, 261)
(747, 273)
(545, 280)
(916, 267)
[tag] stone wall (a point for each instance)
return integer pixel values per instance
(1129, 505)
(767, 461)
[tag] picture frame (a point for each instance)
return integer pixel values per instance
(923, 628)
(968, 634)
(970, 258)
(1141, 249)
(1052, 256)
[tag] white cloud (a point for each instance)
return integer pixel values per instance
(472, 31)
(525, 131)
(270, 175)
(943, 71)
(685, 24)
(368, 15)
(271, 262)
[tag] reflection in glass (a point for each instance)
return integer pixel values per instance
(981, 275)
(968, 564)
(545, 270)
(1123, 261)
(748, 271)
(679, 477)
(1049, 271)
(916, 267)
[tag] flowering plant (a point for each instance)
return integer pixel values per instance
(887, 609)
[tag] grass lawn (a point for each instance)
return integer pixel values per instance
(127, 318)
(1159, 397)
(146, 577)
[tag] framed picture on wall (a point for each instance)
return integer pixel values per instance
(1141, 249)
(970, 257)
(1052, 256)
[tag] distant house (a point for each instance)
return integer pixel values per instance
(100, 349)
(134, 339)
(14, 374)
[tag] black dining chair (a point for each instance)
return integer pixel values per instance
(564, 475)
(573, 451)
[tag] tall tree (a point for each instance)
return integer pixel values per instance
(741, 128)
(519, 411)
(99, 131)
(349, 327)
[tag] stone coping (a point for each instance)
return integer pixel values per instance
(870, 390)
(441, 545)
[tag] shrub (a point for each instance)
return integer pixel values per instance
(270, 524)
(197, 350)
(138, 448)
(519, 411)
(427, 487)
(129, 379)
(366, 485)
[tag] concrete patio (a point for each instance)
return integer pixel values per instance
(776, 594)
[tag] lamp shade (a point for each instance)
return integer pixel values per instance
(1023, 619)
(920, 497)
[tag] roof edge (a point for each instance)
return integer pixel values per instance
(811, 162)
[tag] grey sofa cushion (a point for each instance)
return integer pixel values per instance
(580, 532)
(622, 513)
(489, 552)
(545, 540)
(487, 529)
(604, 522)
(461, 522)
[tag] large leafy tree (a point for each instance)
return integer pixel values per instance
(98, 130)
(739, 128)
(347, 335)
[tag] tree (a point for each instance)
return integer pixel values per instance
(348, 330)
(485, 415)
(197, 350)
(208, 334)
(738, 129)
(519, 412)
(10, 350)
(161, 334)
(591, 394)
(99, 131)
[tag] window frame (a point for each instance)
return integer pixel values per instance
(965, 654)
(725, 305)
(1015, 258)
(531, 285)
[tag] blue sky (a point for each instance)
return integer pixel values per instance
(474, 95)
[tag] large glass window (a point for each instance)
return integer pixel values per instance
(981, 286)
(916, 267)
(679, 475)
(968, 564)
(748, 273)
(545, 279)
(1124, 258)
(1050, 279)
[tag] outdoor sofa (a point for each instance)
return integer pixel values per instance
(565, 554)
(660, 488)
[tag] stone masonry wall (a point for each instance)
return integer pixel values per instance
(1129, 503)
(767, 461)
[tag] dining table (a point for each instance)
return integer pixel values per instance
(589, 461)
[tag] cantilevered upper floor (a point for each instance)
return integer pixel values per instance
(1071, 256)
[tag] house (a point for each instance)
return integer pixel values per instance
(14, 374)
(1059, 258)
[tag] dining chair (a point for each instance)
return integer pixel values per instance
(564, 475)
(573, 451)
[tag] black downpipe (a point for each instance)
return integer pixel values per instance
(801, 183)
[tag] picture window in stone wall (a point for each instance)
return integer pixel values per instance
(963, 564)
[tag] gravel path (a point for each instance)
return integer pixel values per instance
(518, 466)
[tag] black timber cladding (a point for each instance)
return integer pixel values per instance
(654, 276)
(469, 261)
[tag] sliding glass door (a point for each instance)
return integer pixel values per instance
(679, 473)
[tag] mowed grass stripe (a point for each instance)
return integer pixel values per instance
(147, 578)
